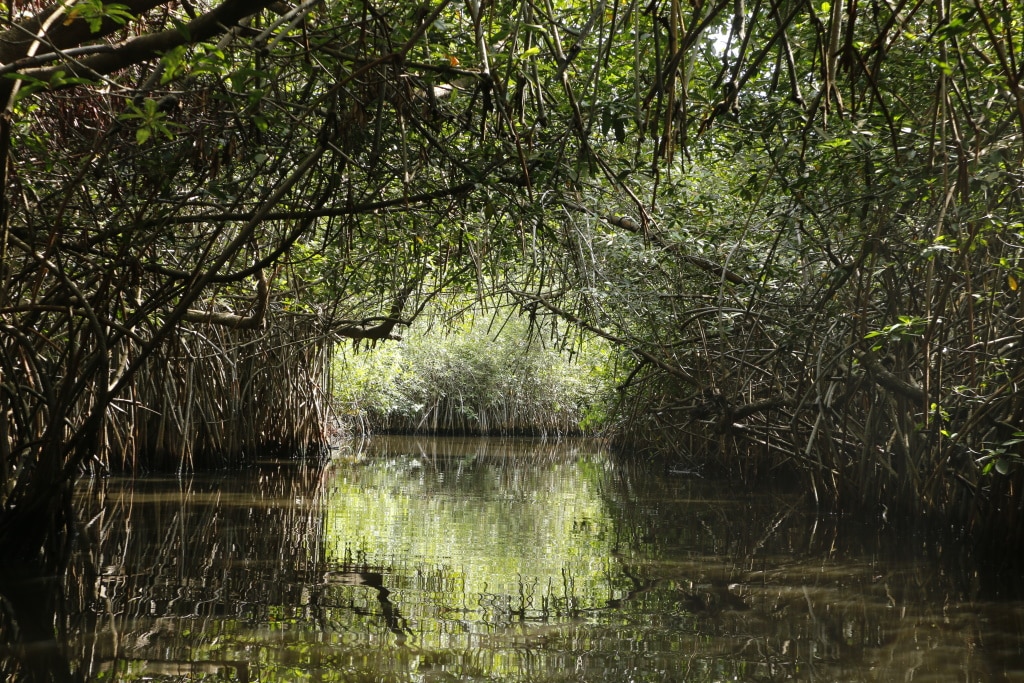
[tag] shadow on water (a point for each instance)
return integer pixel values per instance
(504, 560)
(29, 650)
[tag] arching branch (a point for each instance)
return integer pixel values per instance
(120, 55)
(233, 320)
(376, 329)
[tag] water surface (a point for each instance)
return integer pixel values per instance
(490, 560)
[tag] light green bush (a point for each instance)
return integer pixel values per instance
(487, 374)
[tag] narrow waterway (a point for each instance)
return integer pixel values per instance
(502, 560)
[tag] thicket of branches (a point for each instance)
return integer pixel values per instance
(819, 272)
(189, 185)
(802, 221)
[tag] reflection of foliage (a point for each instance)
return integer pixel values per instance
(524, 541)
(247, 577)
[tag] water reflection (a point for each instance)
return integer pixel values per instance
(470, 560)
(477, 533)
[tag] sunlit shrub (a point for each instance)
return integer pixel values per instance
(487, 374)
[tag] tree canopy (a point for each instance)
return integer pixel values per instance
(801, 221)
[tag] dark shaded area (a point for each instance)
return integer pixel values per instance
(29, 647)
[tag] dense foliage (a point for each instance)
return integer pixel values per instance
(489, 372)
(828, 279)
(801, 222)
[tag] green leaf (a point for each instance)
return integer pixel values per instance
(173, 63)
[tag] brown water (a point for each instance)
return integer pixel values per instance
(485, 560)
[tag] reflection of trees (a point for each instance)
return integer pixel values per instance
(518, 526)
(259, 576)
(375, 580)
(182, 563)
(755, 588)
